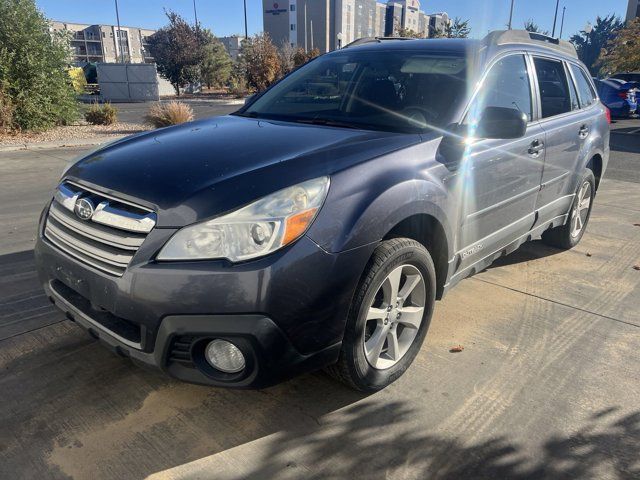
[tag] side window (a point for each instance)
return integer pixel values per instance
(575, 105)
(555, 98)
(506, 85)
(585, 91)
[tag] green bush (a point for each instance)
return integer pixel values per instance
(33, 66)
(6, 112)
(105, 114)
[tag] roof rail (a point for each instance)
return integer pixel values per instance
(502, 37)
(364, 40)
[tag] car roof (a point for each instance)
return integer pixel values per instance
(494, 42)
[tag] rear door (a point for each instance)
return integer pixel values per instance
(501, 177)
(566, 126)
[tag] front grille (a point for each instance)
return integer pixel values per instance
(97, 230)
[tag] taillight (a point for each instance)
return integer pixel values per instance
(607, 114)
(623, 94)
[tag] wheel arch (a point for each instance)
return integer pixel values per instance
(595, 165)
(429, 232)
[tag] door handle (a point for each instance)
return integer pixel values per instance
(535, 148)
(583, 132)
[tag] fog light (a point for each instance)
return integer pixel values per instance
(224, 356)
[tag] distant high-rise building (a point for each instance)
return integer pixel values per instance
(330, 24)
(393, 21)
(410, 14)
(437, 23)
(301, 23)
(381, 19)
(633, 10)
(423, 26)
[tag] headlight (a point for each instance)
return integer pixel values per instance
(258, 229)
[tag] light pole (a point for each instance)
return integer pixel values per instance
(119, 37)
(246, 31)
(555, 18)
(195, 13)
(511, 14)
(564, 9)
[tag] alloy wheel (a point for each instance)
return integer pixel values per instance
(581, 209)
(394, 317)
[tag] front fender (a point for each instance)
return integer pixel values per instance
(365, 202)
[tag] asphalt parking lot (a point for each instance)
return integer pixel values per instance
(547, 386)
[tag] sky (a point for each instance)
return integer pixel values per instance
(225, 17)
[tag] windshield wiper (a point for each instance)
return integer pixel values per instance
(327, 122)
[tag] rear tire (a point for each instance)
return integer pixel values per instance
(568, 235)
(383, 315)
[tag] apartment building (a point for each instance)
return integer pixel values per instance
(232, 45)
(106, 43)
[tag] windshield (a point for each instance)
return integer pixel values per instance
(397, 91)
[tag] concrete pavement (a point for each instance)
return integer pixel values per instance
(547, 385)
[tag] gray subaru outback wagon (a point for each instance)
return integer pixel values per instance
(316, 226)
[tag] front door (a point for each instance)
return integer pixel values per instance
(501, 178)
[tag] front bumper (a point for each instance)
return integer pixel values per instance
(286, 312)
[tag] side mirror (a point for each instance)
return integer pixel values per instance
(500, 122)
(249, 99)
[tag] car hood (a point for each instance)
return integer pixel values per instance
(201, 169)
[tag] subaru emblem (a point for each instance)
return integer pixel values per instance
(84, 208)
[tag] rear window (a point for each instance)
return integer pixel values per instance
(585, 92)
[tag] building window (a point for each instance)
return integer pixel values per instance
(293, 27)
(292, 8)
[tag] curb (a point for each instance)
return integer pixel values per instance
(81, 142)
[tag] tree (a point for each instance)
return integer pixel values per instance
(215, 69)
(300, 57)
(530, 26)
(260, 62)
(34, 85)
(177, 49)
(408, 33)
(589, 45)
(457, 28)
(622, 53)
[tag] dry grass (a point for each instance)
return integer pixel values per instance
(169, 113)
(105, 114)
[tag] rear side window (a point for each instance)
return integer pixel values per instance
(555, 98)
(585, 91)
(506, 85)
(575, 105)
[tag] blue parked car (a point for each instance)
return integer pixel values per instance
(618, 95)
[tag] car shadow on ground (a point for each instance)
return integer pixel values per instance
(532, 250)
(361, 443)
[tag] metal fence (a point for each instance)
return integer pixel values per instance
(128, 82)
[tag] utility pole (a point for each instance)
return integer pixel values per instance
(564, 9)
(555, 18)
(246, 31)
(195, 13)
(511, 15)
(119, 37)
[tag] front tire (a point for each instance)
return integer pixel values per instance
(568, 235)
(389, 316)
